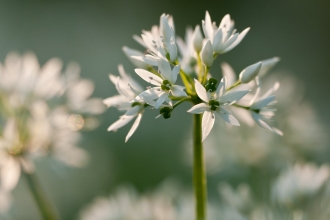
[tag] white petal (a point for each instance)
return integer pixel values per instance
(238, 40)
(263, 102)
(165, 69)
(207, 123)
(199, 108)
(129, 80)
(229, 42)
(226, 25)
(232, 97)
(177, 91)
(229, 73)
(207, 54)
(146, 59)
(197, 39)
(201, 91)
(133, 111)
(221, 89)
(208, 27)
(10, 173)
(268, 65)
(271, 91)
(250, 72)
(114, 100)
(123, 120)
(149, 77)
(259, 120)
(131, 52)
(174, 74)
(134, 127)
(225, 115)
(217, 42)
(150, 94)
(161, 99)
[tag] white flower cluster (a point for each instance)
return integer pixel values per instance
(167, 56)
(41, 111)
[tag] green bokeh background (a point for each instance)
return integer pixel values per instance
(92, 33)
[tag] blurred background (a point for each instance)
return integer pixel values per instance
(92, 34)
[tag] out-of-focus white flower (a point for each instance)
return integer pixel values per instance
(186, 49)
(5, 201)
(214, 101)
(223, 38)
(128, 89)
(164, 83)
(41, 112)
(197, 39)
(169, 201)
(299, 182)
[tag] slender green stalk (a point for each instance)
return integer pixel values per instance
(46, 209)
(200, 187)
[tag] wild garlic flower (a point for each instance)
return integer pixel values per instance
(160, 40)
(168, 56)
(128, 89)
(165, 83)
(223, 38)
(215, 99)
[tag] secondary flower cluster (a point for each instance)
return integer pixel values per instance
(168, 56)
(41, 111)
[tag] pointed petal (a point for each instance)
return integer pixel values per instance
(259, 120)
(177, 91)
(10, 173)
(146, 59)
(217, 42)
(123, 120)
(134, 127)
(199, 108)
(207, 54)
(267, 65)
(228, 72)
(149, 77)
(165, 69)
(114, 100)
(263, 102)
(150, 94)
(201, 91)
(226, 25)
(207, 123)
(221, 89)
(229, 118)
(208, 27)
(131, 52)
(133, 111)
(174, 74)
(232, 97)
(161, 99)
(250, 72)
(238, 40)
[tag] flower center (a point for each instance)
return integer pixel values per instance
(214, 105)
(166, 85)
(211, 85)
(166, 112)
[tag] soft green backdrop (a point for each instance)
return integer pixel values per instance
(92, 34)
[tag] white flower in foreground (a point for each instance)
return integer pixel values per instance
(214, 101)
(128, 89)
(160, 40)
(299, 182)
(165, 84)
(223, 38)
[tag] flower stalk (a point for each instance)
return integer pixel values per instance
(200, 187)
(45, 207)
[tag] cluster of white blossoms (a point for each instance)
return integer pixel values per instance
(168, 56)
(41, 113)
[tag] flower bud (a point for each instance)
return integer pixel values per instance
(197, 39)
(250, 72)
(166, 112)
(268, 65)
(207, 54)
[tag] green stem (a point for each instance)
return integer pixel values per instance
(42, 201)
(234, 85)
(200, 186)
